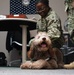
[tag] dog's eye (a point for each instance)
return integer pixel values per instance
(38, 37)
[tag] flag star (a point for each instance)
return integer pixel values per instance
(16, 7)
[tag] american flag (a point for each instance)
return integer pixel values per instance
(16, 7)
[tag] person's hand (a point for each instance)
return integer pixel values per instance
(33, 18)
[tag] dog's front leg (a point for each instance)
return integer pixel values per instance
(53, 63)
(41, 64)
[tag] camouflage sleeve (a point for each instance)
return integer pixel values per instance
(53, 26)
(68, 4)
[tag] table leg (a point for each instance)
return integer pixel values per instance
(24, 43)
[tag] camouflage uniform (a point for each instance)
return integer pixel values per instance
(70, 15)
(52, 25)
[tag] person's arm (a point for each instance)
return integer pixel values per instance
(54, 26)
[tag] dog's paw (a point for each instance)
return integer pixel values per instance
(26, 65)
(23, 66)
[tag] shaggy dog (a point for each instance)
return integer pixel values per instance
(42, 55)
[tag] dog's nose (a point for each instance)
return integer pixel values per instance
(43, 39)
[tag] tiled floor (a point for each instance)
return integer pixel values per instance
(18, 71)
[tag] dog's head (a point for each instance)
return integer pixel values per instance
(42, 41)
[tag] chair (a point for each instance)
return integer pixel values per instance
(68, 48)
(14, 40)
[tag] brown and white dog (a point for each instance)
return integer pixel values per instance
(41, 54)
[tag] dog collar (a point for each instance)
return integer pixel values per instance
(47, 59)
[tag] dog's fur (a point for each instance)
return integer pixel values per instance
(42, 55)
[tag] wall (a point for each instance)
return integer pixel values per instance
(4, 9)
(57, 5)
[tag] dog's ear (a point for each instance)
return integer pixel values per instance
(52, 53)
(31, 51)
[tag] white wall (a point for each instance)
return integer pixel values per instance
(57, 5)
(4, 9)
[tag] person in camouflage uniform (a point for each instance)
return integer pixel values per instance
(49, 22)
(69, 9)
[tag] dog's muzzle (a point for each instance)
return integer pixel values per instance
(43, 44)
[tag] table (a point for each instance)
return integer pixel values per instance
(9, 24)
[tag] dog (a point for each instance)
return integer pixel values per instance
(42, 55)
